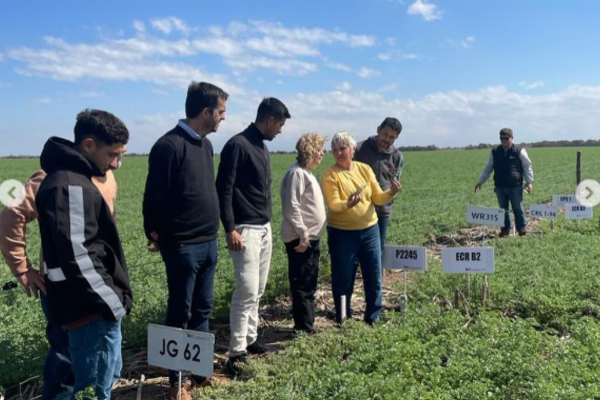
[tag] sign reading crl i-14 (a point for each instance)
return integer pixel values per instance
(559, 200)
(485, 216)
(405, 257)
(543, 211)
(469, 260)
(578, 211)
(181, 350)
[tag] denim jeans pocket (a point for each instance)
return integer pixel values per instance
(83, 338)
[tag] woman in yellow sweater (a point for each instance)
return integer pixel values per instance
(351, 190)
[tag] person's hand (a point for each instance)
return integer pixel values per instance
(153, 244)
(304, 244)
(478, 187)
(234, 241)
(32, 281)
(395, 187)
(528, 187)
(353, 200)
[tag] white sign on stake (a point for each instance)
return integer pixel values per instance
(410, 258)
(578, 211)
(181, 350)
(469, 260)
(543, 211)
(559, 200)
(485, 216)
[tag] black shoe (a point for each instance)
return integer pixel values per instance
(256, 348)
(522, 232)
(232, 367)
(504, 232)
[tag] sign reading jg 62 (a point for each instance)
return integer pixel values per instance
(181, 350)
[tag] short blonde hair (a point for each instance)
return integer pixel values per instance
(343, 137)
(307, 145)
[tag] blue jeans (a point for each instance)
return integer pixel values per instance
(382, 223)
(96, 356)
(514, 195)
(345, 247)
(190, 279)
(58, 376)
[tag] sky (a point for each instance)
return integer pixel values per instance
(454, 72)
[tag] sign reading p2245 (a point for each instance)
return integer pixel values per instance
(405, 257)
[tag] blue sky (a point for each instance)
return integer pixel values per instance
(453, 72)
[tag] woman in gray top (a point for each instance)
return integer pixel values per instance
(303, 221)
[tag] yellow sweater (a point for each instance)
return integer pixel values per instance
(338, 184)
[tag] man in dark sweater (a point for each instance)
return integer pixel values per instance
(244, 187)
(87, 286)
(181, 213)
(511, 166)
(387, 163)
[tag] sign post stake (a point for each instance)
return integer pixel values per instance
(179, 389)
(342, 308)
(403, 298)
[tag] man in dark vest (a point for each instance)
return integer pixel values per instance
(511, 166)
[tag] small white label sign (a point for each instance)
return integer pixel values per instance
(181, 350)
(469, 260)
(543, 211)
(485, 216)
(405, 257)
(578, 211)
(559, 200)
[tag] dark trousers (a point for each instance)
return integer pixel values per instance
(345, 247)
(58, 375)
(303, 272)
(514, 195)
(190, 279)
(382, 223)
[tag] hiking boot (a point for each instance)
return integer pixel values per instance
(504, 232)
(232, 367)
(186, 389)
(522, 232)
(256, 348)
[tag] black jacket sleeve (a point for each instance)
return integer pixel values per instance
(163, 160)
(231, 157)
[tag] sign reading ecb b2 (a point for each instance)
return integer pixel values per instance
(405, 257)
(468, 260)
(181, 350)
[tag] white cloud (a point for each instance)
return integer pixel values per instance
(281, 48)
(279, 66)
(397, 55)
(531, 85)
(160, 92)
(388, 88)
(367, 73)
(168, 25)
(428, 11)
(139, 26)
(338, 66)
(92, 94)
(43, 100)
(465, 43)
(344, 86)
(1, 57)
(311, 35)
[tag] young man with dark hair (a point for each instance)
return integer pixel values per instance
(511, 166)
(244, 187)
(387, 163)
(87, 284)
(181, 214)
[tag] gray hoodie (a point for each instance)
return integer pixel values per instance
(383, 163)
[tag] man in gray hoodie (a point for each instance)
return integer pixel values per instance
(387, 162)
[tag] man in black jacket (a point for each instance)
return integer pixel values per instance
(511, 166)
(88, 287)
(387, 162)
(244, 187)
(181, 213)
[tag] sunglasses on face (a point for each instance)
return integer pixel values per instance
(503, 138)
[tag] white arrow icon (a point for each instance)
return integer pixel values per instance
(588, 193)
(12, 193)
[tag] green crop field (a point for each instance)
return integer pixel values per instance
(537, 337)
